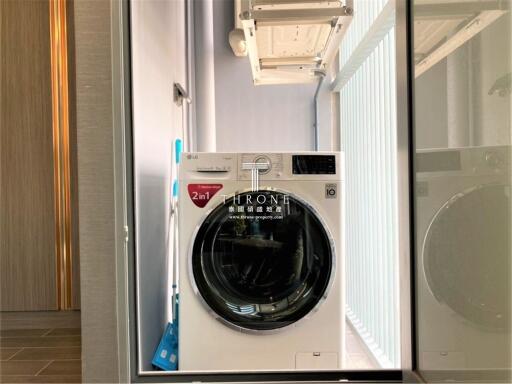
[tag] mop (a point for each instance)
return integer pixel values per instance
(166, 355)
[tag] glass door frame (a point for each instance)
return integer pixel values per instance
(406, 187)
(127, 298)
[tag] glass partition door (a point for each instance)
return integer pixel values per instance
(462, 117)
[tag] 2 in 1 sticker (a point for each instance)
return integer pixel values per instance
(200, 194)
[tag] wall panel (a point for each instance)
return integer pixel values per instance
(27, 224)
(96, 198)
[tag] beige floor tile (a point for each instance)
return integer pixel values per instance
(359, 361)
(23, 332)
(41, 379)
(45, 343)
(357, 354)
(352, 344)
(21, 367)
(61, 367)
(52, 353)
(65, 332)
(55, 341)
(38, 320)
(7, 353)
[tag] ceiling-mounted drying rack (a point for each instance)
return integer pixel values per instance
(440, 27)
(289, 41)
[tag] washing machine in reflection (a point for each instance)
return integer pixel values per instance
(261, 262)
(464, 263)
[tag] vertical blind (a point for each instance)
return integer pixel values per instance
(368, 134)
(365, 13)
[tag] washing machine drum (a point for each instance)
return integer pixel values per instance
(262, 261)
(467, 255)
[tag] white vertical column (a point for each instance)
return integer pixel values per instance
(205, 127)
(458, 97)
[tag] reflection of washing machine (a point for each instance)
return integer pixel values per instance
(261, 266)
(464, 264)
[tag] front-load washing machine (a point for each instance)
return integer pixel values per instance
(261, 261)
(464, 258)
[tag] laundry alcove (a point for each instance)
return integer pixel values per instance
(302, 99)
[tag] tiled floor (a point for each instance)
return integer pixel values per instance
(45, 347)
(40, 347)
(358, 357)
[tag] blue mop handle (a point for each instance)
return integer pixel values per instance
(178, 148)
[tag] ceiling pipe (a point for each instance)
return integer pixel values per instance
(321, 77)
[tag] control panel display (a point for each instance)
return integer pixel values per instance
(314, 164)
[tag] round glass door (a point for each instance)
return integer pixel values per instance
(467, 255)
(262, 260)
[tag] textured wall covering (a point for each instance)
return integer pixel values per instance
(27, 225)
(96, 190)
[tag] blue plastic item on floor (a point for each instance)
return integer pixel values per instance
(166, 355)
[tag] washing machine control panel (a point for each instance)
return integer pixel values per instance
(289, 166)
(471, 161)
(269, 166)
(314, 164)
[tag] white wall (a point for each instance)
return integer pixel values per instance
(250, 118)
(158, 61)
(430, 92)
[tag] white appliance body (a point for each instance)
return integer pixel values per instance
(213, 337)
(463, 237)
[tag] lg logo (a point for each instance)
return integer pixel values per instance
(331, 191)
